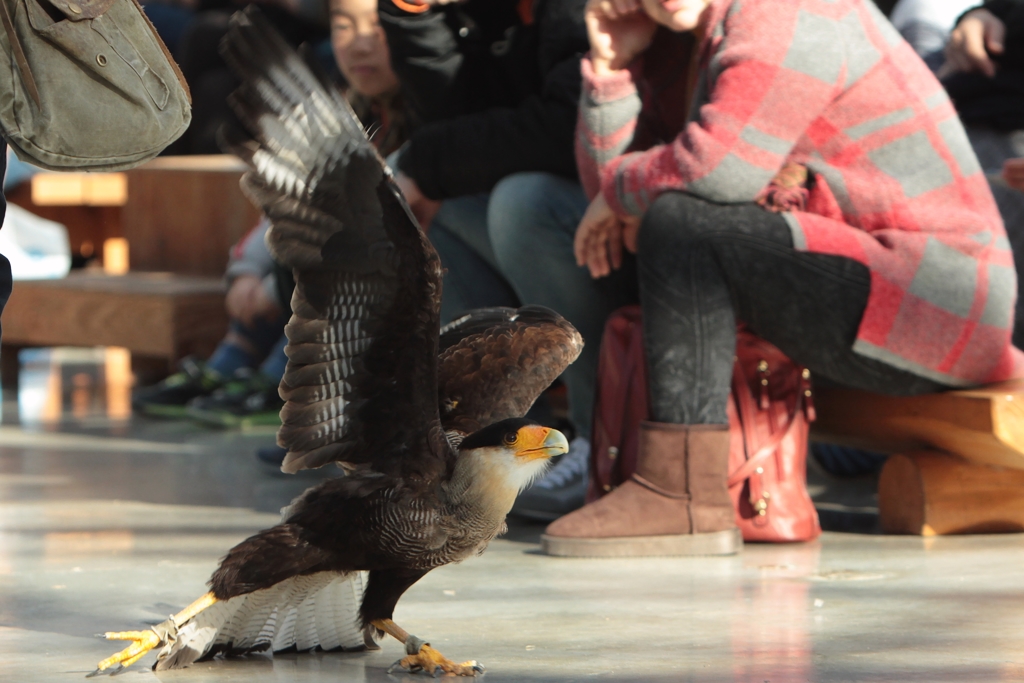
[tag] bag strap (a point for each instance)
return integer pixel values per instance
(19, 53)
(763, 453)
(769, 447)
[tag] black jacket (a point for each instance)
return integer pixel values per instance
(995, 102)
(495, 95)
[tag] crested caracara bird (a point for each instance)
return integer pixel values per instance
(426, 422)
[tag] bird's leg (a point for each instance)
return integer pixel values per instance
(144, 641)
(422, 657)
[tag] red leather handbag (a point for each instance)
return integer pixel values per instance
(770, 410)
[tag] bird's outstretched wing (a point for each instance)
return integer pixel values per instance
(496, 361)
(361, 382)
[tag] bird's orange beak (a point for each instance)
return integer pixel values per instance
(534, 441)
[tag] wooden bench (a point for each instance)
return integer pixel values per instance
(183, 214)
(158, 317)
(958, 463)
(179, 214)
(88, 204)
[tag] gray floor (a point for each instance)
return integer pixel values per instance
(107, 523)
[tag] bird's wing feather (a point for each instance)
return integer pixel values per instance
(360, 387)
(495, 362)
(323, 609)
(473, 322)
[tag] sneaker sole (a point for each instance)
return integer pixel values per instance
(173, 412)
(713, 543)
(229, 421)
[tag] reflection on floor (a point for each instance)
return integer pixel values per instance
(78, 384)
(107, 522)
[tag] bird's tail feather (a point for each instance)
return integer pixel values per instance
(303, 612)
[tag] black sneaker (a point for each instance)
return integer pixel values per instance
(843, 461)
(250, 399)
(560, 491)
(168, 397)
(271, 457)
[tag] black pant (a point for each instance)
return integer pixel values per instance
(5, 265)
(703, 266)
(209, 78)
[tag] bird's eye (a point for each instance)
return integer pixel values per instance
(511, 438)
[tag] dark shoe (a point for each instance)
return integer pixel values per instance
(677, 502)
(250, 399)
(560, 491)
(842, 461)
(271, 455)
(169, 397)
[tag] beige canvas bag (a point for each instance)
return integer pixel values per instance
(87, 84)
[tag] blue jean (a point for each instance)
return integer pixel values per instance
(264, 338)
(472, 278)
(516, 244)
(274, 364)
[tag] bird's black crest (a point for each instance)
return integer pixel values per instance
(494, 435)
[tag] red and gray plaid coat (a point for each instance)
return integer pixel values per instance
(831, 85)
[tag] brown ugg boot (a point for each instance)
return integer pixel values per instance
(676, 503)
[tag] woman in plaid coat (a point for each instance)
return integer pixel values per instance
(884, 265)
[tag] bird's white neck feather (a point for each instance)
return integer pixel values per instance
(491, 478)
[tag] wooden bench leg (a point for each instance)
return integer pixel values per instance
(930, 493)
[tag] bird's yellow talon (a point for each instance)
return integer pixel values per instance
(128, 662)
(142, 642)
(430, 660)
(129, 635)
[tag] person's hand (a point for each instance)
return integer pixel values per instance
(423, 208)
(601, 237)
(247, 300)
(1013, 173)
(630, 230)
(619, 31)
(979, 35)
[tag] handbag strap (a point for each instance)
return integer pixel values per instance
(769, 447)
(19, 53)
(757, 459)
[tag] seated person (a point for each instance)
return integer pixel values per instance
(256, 330)
(210, 81)
(926, 25)
(978, 41)
(491, 173)
(258, 299)
(984, 76)
(1013, 173)
(170, 18)
(893, 275)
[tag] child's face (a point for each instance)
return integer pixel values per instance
(677, 15)
(360, 47)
